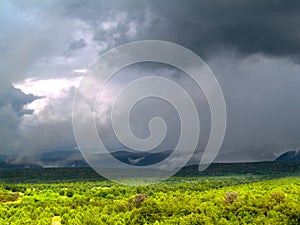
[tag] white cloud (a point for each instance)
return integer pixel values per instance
(80, 70)
(50, 90)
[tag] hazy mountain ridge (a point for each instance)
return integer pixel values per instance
(73, 158)
(290, 156)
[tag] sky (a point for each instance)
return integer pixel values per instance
(253, 48)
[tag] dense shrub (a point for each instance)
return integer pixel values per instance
(177, 201)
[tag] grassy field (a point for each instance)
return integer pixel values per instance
(194, 199)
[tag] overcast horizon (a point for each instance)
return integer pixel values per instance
(252, 47)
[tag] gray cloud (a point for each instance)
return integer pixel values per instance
(248, 27)
(27, 137)
(12, 102)
(250, 45)
(208, 27)
(75, 45)
(262, 104)
(16, 99)
(31, 36)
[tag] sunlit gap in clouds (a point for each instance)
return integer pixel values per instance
(47, 89)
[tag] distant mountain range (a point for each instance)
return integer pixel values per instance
(290, 156)
(134, 158)
(47, 159)
(73, 158)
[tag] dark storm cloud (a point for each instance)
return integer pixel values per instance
(16, 99)
(224, 29)
(48, 39)
(207, 27)
(249, 27)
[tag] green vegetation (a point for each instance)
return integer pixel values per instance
(242, 193)
(254, 171)
(189, 200)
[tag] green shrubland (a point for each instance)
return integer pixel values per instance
(195, 200)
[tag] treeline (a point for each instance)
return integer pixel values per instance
(261, 170)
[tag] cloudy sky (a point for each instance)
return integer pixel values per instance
(253, 48)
